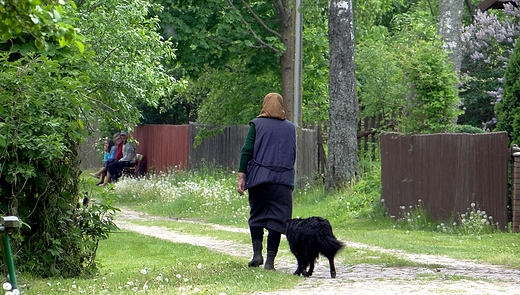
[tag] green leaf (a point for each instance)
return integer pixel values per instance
(15, 48)
(26, 48)
(35, 19)
(62, 42)
(80, 46)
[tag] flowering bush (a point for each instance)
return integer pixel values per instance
(487, 44)
(415, 218)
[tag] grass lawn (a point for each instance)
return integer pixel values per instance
(131, 263)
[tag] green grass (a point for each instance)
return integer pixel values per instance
(356, 214)
(129, 262)
(348, 256)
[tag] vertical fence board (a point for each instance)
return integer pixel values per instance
(221, 149)
(307, 156)
(91, 157)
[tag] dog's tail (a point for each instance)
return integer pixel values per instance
(329, 246)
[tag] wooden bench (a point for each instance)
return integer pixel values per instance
(135, 171)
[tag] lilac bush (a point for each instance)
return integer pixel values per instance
(487, 44)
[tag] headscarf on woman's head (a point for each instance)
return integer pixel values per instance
(273, 106)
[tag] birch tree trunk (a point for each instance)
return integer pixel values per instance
(342, 159)
(450, 28)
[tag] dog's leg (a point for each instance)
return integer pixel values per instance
(301, 265)
(311, 254)
(332, 267)
(298, 271)
(308, 273)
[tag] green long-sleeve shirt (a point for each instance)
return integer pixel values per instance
(247, 150)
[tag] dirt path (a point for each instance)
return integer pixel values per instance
(474, 278)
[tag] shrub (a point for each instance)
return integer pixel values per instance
(508, 110)
(466, 129)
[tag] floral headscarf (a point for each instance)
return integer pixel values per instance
(272, 106)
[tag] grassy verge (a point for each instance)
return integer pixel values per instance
(348, 256)
(131, 263)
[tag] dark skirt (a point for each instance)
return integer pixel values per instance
(271, 206)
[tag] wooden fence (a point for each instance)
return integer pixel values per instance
(165, 147)
(91, 157)
(446, 173)
(173, 146)
(313, 158)
(515, 196)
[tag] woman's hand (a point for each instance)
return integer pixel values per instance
(241, 183)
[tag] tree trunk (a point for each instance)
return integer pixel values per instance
(343, 111)
(284, 13)
(450, 28)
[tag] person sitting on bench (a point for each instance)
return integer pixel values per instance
(109, 155)
(128, 160)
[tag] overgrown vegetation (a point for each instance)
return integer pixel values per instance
(55, 81)
(473, 222)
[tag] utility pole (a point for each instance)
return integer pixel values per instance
(297, 83)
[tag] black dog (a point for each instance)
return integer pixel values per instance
(308, 238)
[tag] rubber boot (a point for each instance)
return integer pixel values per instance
(257, 259)
(269, 261)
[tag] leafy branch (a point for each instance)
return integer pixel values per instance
(259, 20)
(257, 38)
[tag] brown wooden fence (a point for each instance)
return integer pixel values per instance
(515, 195)
(313, 158)
(168, 147)
(447, 172)
(223, 149)
(164, 146)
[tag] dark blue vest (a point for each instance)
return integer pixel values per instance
(274, 153)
